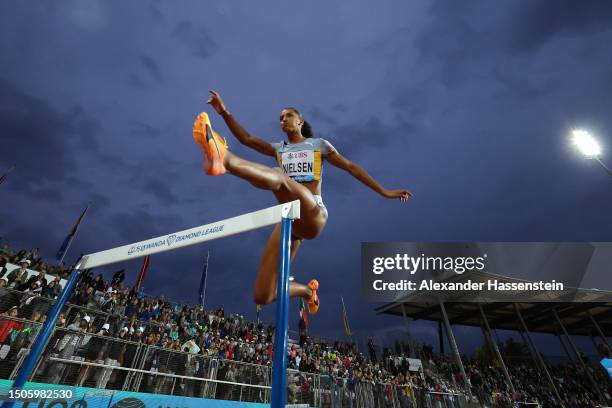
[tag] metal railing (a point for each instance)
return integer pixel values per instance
(77, 358)
(74, 356)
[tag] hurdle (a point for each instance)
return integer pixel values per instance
(284, 214)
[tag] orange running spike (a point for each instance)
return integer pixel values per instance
(313, 302)
(213, 146)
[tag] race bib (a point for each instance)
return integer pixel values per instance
(299, 165)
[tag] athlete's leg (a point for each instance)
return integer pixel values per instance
(218, 160)
(267, 274)
(312, 217)
(311, 223)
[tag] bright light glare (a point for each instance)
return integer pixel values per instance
(585, 143)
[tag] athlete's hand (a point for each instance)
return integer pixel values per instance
(216, 102)
(403, 195)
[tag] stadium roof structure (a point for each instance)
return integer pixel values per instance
(575, 306)
(569, 311)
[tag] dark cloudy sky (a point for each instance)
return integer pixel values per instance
(467, 104)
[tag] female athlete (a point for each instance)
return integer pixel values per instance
(299, 177)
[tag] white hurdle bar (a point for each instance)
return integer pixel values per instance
(282, 213)
(192, 236)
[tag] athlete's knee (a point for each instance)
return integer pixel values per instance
(283, 178)
(305, 235)
(261, 298)
(307, 232)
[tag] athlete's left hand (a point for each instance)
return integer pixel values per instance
(403, 195)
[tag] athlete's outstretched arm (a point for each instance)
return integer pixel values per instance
(360, 174)
(237, 130)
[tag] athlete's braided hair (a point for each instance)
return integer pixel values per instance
(306, 129)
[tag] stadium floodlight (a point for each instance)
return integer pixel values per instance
(588, 146)
(586, 143)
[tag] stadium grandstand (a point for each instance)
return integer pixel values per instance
(114, 340)
(498, 372)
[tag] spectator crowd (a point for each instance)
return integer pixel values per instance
(101, 308)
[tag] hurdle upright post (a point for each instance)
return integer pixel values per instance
(43, 337)
(279, 369)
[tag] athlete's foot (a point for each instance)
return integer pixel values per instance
(213, 146)
(313, 302)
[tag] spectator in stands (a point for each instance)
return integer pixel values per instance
(39, 278)
(151, 363)
(16, 257)
(227, 372)
(478, 386)
(67, 346)
(86, 278)
(29, 331)
(115, 357)
(4, 249)
(119, 308)
(372, 351)
(52, 289)
(4, 259)
(65, 274)
(98, 282)
(113, 352)
(132, 309)
(10, 331)
(118, 277)
(146, 314)
(139, 335)
(39, 265)
(9, 324)
(4, 294)
(110, 302)
(31, 298)
(293, 386)
(81, 297)
(33, 256)
(54, 270)
(17, 277)
(94, 353)
(9, 327)
(102, 299)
